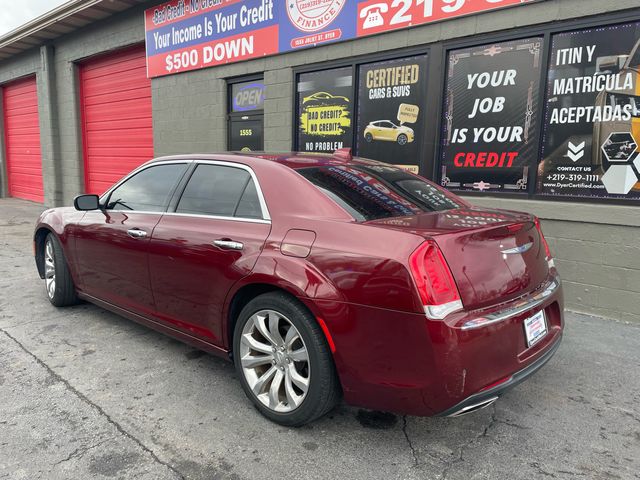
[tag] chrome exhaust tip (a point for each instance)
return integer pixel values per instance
(473, 408)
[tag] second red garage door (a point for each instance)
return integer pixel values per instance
(116, 117)
(22, 140)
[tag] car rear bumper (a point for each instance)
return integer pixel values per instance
(406, 363)
(490, 395)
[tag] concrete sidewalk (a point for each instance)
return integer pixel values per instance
(87, 394)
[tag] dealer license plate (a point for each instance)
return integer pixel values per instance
(535, 328)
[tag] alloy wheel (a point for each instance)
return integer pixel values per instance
(275, 361)
(49, 269)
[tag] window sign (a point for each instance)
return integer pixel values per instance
(247, 96)
(325, 110)
(592, 114)
(490, 138)
(391, 111)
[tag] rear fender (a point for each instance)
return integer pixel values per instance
(293, 275)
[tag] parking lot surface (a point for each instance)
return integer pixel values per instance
(87, 394)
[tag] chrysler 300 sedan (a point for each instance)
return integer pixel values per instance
(320, 276)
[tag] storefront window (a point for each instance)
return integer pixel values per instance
(391, 111)
(592, 115)
(325, 110)
(490, 134)
(246, 119)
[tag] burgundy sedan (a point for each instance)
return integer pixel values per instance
(320, 276)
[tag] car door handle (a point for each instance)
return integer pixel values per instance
(228, 244)
(136, 233)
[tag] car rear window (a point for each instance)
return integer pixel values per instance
(372, 192)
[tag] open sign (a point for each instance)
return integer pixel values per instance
(247, 96)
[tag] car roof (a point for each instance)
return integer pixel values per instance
(293, 160)
(277, 169)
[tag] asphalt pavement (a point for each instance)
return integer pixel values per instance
(87, 394)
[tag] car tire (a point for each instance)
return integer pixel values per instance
(58, 282)
(402, 139)
(263, 359)
(368, 137)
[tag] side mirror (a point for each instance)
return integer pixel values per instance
(86, 202)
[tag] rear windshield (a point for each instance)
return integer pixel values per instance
(372, 192)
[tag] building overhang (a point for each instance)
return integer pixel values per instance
(60, 21)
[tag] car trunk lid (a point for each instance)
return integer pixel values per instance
(494, 255)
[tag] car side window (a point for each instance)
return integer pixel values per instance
(148, 190)
(249, 205)
(222, 191)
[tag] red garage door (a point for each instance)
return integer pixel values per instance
(22, 140)
(116, 117)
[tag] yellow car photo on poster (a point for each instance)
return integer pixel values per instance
(387, 131)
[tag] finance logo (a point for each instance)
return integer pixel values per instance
(313, 15)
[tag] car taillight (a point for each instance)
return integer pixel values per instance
(547, 250)
(435, 283)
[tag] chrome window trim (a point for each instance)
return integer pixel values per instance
(128, 212)
(195, 215)
(220, 217)
(266, 217)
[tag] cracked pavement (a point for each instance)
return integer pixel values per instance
(87, 394)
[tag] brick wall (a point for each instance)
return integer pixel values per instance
(597, 251)
(600, 265)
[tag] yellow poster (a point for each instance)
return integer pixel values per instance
(325, 120)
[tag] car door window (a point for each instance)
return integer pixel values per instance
(222, 191)
(249, 205)
(149, 190)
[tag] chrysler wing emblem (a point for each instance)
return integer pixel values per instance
(520, 249)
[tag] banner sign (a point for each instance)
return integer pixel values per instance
(391, 116)
(490, 134)
(377, 17)
(184, 35)
(592, 115)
